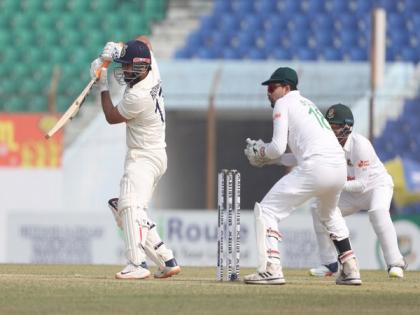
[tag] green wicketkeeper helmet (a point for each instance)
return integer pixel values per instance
(339, 114)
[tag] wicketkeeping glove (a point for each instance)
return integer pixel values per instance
(111, 51)
(255, 152)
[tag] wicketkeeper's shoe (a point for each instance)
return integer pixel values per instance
(171, 268)
(133, 272)
(324, 270)
(397, 271)
(349, 271)
(272, 275)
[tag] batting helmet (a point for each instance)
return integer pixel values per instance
(137, 54)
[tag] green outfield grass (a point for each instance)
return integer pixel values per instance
(75, 289)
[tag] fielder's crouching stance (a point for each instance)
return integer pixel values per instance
(320, 173)
(368, 187)
(142, 109)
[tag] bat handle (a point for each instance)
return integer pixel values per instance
(105, 64)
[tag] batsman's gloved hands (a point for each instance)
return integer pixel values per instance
(111, 51)
(94, 67)
(255, 152)
(102, 82)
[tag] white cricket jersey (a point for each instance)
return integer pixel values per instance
(364, 169)
(144, 108)
(297, 122)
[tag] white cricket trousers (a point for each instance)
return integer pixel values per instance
(142, 172)
(377, 201)
(316, 177)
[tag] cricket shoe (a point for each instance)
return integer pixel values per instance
(171, 268)
(272, 275)
(397, 271)
(133, 272)
(324, 270)
(349, 270)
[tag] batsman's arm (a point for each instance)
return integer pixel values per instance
(112, 115)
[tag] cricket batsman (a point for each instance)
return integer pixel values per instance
(142, 109)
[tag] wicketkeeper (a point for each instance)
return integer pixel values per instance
(368, 187)
(320, 173)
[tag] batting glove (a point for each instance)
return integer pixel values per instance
(94, 66)
(103, 80)
(111, 51)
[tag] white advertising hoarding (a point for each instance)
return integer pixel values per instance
(93, 238)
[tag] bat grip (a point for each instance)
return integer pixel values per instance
(105, 64)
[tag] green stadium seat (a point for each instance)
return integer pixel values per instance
(15, 104)
(65, 23)
(63, 102)
(38, 104)
(5, 38)
(9, 6)
(20, 21)
(100, 6)
(19, 72)
(42, 34)
(54, 5)
(57, 55)
(45, 38)
(88, 22)
(31, 5)
(28, 87)
(80, 55)
(70, 38)
(78, 6)
(94, 41)
(154, 9)
(137, 23)
(8, 87)
(111, 22)
(10, 55)
(45, 20)
(4, 21)
(118, 35)
(34, 55)
(4, 70)
(42, 71)
(23, 38)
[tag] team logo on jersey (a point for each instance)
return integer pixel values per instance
(349, 163)
(277, 116)
(363, 163)
(331, 113)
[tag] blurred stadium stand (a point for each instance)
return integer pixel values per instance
(303, 30)
(401, 139)
(38, 34)
(315, 36)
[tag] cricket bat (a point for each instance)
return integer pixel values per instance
(75, 106)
